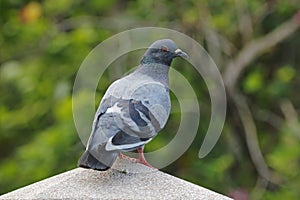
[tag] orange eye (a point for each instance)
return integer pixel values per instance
(164, 49)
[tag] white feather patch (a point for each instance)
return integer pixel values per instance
(114, 109)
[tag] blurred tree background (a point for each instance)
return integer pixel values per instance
(254, 43)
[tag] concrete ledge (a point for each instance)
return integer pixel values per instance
(126, 181)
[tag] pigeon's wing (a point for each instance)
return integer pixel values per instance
(139, 117)
(129, 116)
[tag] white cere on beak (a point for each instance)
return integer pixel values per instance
(180, 53)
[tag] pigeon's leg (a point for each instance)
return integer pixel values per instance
(142, 157)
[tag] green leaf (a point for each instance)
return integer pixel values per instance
(253, 82)
(285, 73)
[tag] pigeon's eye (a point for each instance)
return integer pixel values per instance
(164, 49)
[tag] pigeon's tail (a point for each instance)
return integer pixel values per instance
(87, 160)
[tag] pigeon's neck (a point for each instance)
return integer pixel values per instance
(157, 72)
(147, 59)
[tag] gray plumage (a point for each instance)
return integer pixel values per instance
(134, 108)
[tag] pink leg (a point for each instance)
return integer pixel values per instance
(142, 157)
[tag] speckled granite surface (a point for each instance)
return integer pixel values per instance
(125, 181)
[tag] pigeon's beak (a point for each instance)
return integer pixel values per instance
(179, 52)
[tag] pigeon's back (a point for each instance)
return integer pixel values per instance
(151, 95)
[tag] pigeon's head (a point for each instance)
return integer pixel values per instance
(162, 52)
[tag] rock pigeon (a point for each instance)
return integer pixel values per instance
(133, 109)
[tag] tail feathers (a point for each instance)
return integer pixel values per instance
(89, 161)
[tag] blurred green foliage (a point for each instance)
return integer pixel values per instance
(42, 44)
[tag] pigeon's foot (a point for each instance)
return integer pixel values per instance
(128, 158)
(141, 158)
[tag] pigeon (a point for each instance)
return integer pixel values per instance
(133, 110)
